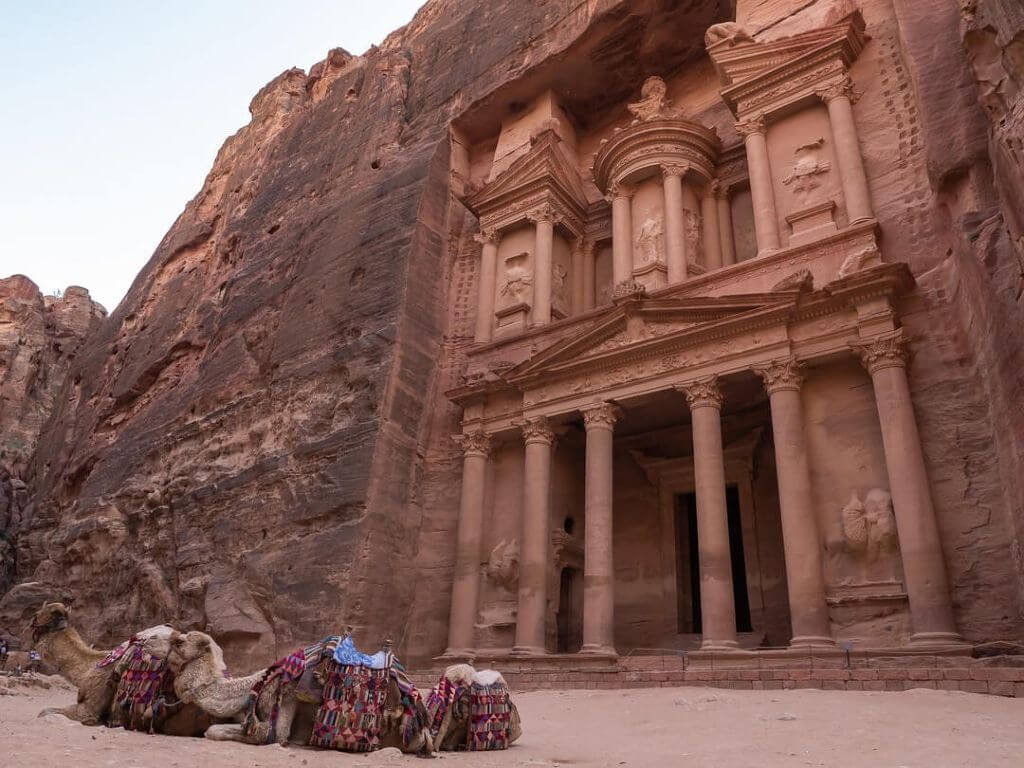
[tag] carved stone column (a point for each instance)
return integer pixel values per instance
(709, 221)
(801, 540)
(622, 233)
(717, 603)
(766, 224)
(488, 238)
(544, 223)
(533, 551)
(476, 448)
(578, 288)
(598, 564)
(847, 148)
(726, 237)
(589, 275)
(931, 610)
(675, 223)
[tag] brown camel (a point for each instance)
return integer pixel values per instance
(450, 706)
(62, 647)
(196, 661)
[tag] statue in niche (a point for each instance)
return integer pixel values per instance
(869, 528)
(807, 167)
(727, 30)
(502, 567)
(649, 242)
(559, 275)
(691, 227)
(653, 103)
(518, 280)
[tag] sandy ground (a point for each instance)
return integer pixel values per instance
(691, 727)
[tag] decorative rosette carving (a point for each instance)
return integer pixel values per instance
(781, 374)
(538, 430)
(887, 350)
(474, 443)
(702, 393)
(602, 416)
(752, 125)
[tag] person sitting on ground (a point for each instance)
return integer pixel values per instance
(34, 660)
(3, 655)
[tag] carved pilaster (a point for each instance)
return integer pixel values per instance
(781, 374)
(538, 430)
(843, 87)
(752, 125)
(887, 350)
(474, 443)
(702, 393)
(602, 416)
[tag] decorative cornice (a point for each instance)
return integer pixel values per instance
(474, 443)
(887, 350)
(702, 393)
(752, 125)
(842, 88)
(781, 375)
(601, 416)
(537, 430)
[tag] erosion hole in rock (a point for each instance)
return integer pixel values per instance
(357, 276)
(375, 164)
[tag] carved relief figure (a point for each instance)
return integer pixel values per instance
(869, 528)
(650, 244)
(653, 103)
(559, 295)
(502, 567)
(807, 167)
(518, 285)
(691, 225)
(727, 30)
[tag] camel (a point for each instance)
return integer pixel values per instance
(449, 706)
(199, 678)
(62, 647)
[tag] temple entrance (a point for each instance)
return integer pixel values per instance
(569, 618)
(688, 563)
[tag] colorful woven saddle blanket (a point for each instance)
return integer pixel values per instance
(115, 655)
(351, 714)
(490, 717)
(446, 697)
(143, 691)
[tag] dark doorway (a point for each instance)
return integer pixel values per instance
(688, 563)
(569, 619)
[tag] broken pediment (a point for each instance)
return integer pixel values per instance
(543, 176)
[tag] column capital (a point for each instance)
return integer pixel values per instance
(752, 125)
(702, 393)
(674, 169)
(487, 236)
(723, 191)
(887, 350)
(601, 416)
(477, 443)
(619, 189)
(780, 375)
(544, 213)
(713, 189)
(584, 245)
(839, 89)
(537, 430)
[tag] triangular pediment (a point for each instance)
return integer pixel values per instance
(647, 323)
(740, 61)
(545, 165)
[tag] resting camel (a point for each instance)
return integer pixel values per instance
(62, 646)
(450, 716)
(196, 661)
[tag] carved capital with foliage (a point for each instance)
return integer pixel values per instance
(702, 393)
(601, 416)
(842, 88)
(751, 126)
(488, 236)
(674, 169)
(476, 443)
(887, 350)
(619, 189)
(780, 375)
(537, 430)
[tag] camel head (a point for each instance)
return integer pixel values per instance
(190, 646)
(51, 617)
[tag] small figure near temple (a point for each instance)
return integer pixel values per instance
(653, 103)
(3, 654)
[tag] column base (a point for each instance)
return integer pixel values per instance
(528, 650)
(937, 640)
(719, 645)
(457, 654)
(814, 641)
(592, 649)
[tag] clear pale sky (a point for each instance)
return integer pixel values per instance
(111, 113)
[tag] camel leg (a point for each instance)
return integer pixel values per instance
(285, 716)
(77, 712)
(225, 732)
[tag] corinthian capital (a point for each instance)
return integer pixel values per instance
(752, 125)
(545, 213)
(488, 236)
(476, 443)
(887, 350)
(843, 87)
(619, 189)
(674, 169)
(538, 430)
(601, 416)
(702, 393)
(781, 374)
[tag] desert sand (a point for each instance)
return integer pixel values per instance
(693, 727)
